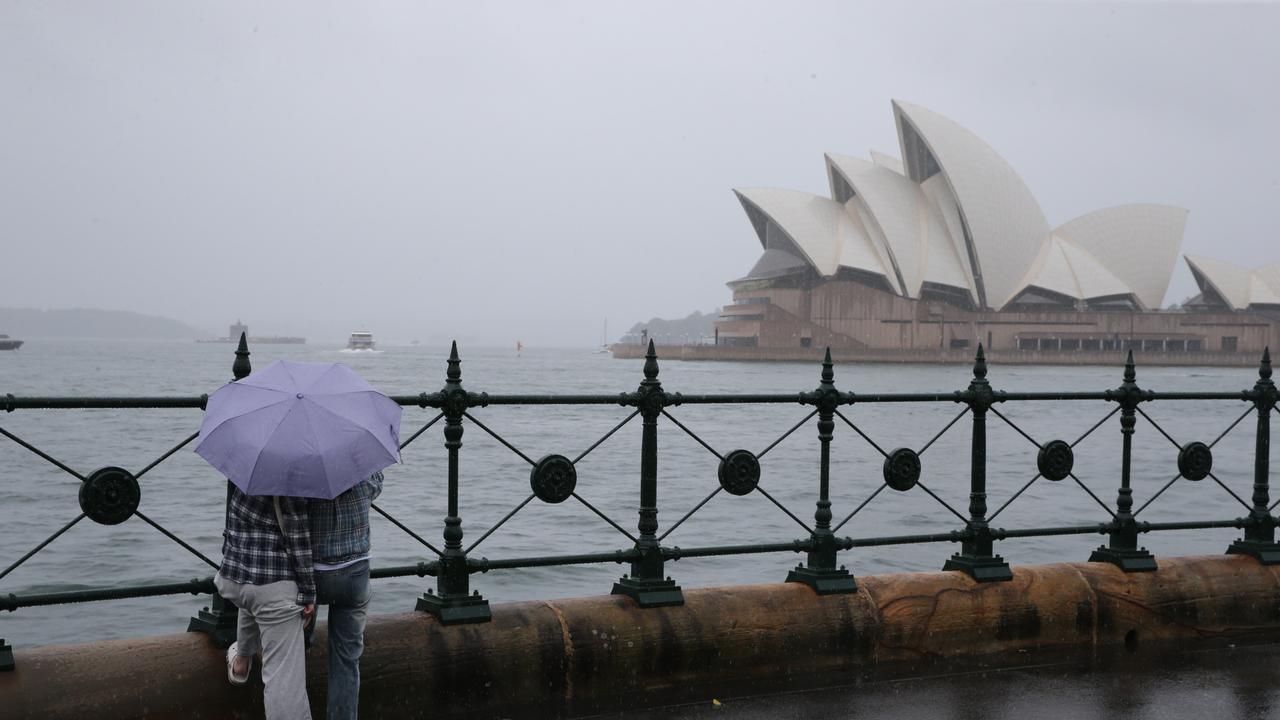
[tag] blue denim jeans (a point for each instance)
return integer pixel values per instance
(346, 592)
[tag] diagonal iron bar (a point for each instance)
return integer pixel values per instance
(784, 509)
(604, 517)
(1231, 427)
(859, 431)
(1156, 425)
(407, 531)
(864, 503)
(498, 437)
(1230, 491)
(176, 539)
(963, 519)
(165, 456)
(1090, 492)
(42, 545)
(421, 430)
(37, 451)
(693, 435)
(606, 436)
(1009, 502)
(499, 524)
(1011, 424)
(689, 514)
(786, 434)
(1158, 494)
(1096, 425)
(945, 428)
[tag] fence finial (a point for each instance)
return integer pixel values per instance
(1264, 370)
(651, 363)
(453, 375)
(241, 368)
(1130, 373)
(980, 363)
(828, 372)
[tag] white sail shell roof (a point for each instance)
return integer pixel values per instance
(920, 248)
(1069, 270)
(1237, 286)
(1139, 243)
(1005, 224)
(888, 161)
(819, 228)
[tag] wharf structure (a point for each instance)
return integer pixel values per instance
(947, 248)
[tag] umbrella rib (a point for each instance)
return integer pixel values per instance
(258, 457)
(349, 420)
(323, 375)
(315, 437)
(285, 366)
(233, 417)
(241, 383)
(337, 414)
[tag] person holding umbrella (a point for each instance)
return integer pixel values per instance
(286, 433)
(340, 550)
(266, 573)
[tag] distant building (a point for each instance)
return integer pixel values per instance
(947, 248)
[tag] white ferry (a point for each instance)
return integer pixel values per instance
(360, 340)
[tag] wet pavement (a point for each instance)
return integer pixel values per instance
(1224, 684)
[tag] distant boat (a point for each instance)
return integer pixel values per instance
(360, 340)
(605, 347)
(8, 343)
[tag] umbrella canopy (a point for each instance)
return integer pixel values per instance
(299, 429)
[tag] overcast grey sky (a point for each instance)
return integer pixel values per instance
(495, 171)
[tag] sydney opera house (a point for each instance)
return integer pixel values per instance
(946, 248)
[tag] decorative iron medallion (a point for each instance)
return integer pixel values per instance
(110, 495)
(1195, 460)
(1055, 460)
(553, 479)
(739, 472)
(902, 469)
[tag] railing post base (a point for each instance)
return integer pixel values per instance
(989, 568)
(1127, 560)
(6, 656)
(455, 610)
(1266, 553)
(824, 582)
(650, 593)
(218, 620)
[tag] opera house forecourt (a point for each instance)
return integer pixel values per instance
(924, 257)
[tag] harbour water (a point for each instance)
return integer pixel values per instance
(186, 496)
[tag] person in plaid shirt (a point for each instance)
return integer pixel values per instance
(267, 573)
(340, 556)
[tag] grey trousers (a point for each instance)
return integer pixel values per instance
(270, 620)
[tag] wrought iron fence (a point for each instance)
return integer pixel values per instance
(111, 495)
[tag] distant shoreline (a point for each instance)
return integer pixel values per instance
(31, 323)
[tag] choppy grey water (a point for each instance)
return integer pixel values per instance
(186, 495)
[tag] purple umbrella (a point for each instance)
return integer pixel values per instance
(299, 429)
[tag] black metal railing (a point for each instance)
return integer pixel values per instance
(111, 495)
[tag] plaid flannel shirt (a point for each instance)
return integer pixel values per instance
(340, 527)
(256, 551)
